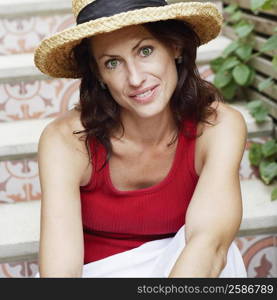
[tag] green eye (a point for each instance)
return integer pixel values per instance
(146, 51)
(112, 64)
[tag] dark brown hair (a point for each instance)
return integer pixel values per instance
(191, 100)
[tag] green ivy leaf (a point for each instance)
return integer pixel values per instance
(230, 49)
(260, 115)
(251, 77)
(265, 84)
(269, 4)
(270, 44)
(222, 78)
(274, 194)
(241, 74)
(255, 154)
(256, 4)
(229, 63)
(216, 64)
(274, 62)
(269, 148)
(254, 105)
(244, 51)
(268, 171)
(243, 29)
(231, 8)
(257, 110)
(229, 90)
(236, 16)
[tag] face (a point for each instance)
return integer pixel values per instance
(139, 71)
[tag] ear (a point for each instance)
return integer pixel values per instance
(177, 51)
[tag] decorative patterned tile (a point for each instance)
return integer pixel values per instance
(24, 269)
(37, 99)
(22, 35)
(259, 255)
(19, 181)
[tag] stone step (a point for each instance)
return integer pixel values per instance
(20, 139)
(20, 222)
(254, 129)
(19, 67)
(19, 231)
(23, 8)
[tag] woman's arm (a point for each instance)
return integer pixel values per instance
(61, 165)
(214, 215)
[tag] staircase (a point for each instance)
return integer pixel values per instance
(29, 100)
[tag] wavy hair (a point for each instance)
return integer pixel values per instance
(191, 100)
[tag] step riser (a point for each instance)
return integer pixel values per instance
(22, 35)
(37, 99)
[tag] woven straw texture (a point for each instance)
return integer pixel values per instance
(78, 5)
(54, 57)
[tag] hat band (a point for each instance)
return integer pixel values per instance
(107, 8)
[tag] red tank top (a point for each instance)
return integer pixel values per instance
(115, 221)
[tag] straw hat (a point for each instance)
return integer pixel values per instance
(54, 56)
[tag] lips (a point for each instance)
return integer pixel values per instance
(144, 95)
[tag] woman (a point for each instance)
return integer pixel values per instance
(151, 188)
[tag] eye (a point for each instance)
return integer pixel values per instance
(111, 64)
(146, 51)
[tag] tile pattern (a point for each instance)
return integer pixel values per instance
(22, 35)
(24, 269)
(19, 181)
(37, 99)
(259, 255)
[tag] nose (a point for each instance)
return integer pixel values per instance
(135, 76)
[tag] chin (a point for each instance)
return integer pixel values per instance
(149, 112)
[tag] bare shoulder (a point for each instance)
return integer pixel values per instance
(225, 117)
(228, 125)
(63, 128)
(59, 144)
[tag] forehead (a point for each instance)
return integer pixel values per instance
(118, 38)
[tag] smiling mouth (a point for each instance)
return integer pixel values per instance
(145, 96)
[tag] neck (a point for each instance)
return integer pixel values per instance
(149, 132)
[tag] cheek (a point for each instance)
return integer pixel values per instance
(169, 74)
(165, 67)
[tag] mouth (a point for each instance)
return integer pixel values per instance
(145, 95)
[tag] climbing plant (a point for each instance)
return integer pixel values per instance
(233, 74)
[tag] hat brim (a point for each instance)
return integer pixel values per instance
(53, 56)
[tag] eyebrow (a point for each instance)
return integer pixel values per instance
(133, 49)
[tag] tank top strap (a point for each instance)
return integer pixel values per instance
(190, 132)
(98, 157)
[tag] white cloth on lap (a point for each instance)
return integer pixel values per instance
(156, 259)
